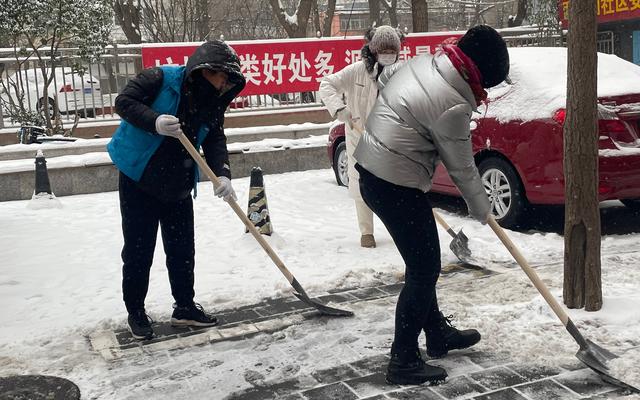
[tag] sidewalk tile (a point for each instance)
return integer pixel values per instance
(293, 385)
(614, 394)
(335, 391)
(458, 387)
(337, 374)
(341, 290)
(488, 360)
(497, 378)
(506, 394)
(294, 396)
(418, 392)
(534, 372)
(456, 364)
(392, 289)
(336, 298)
(368, 293)
(545, 390)
(369, 385)
(237, 316)
(371, 365)
(256, 393)
(585, 384)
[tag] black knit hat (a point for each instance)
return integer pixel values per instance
(487, 49)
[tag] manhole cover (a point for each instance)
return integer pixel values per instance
(37, 387)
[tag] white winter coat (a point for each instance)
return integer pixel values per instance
(355, 88)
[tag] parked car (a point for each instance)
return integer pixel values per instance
(74, 92)
(518, 140)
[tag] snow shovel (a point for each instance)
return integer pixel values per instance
(299, 291)
(591, 354)
(460, 243)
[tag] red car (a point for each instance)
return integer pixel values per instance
(517, 137)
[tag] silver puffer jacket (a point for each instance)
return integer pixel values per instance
(422, 117)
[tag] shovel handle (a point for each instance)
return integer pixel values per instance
(444, 224)
(234, 205)
(533, 276)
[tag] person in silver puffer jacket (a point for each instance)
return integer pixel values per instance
(422, 117)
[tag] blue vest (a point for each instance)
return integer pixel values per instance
(131, 147)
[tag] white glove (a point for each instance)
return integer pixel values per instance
(345, 116)
(168, 125)
(224, 189)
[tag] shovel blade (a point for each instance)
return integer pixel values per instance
(597, 358)
(460, 246)
(323, 309)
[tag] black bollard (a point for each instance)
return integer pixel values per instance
(42, 175)
(258, 212)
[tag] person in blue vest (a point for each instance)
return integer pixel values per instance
(157, 175)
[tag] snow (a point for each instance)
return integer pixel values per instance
(101, 158)
(60, 281)
(539, 77)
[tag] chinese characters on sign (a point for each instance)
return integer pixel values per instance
(290, 65)
(607, 10)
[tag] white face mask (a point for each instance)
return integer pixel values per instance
(387, 59)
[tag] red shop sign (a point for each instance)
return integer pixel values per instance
(607, 10)
(290, 65)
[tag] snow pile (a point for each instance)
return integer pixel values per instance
(539, 83)
(626, 369)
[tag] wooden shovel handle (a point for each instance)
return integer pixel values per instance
(234, 205)
(442, 222)
(533, 276)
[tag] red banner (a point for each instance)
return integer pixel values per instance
(607, 10)
(290, 65)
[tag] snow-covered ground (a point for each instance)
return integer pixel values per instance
(60, 281)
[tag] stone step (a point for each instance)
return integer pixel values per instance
(95, 173)
(234, 135)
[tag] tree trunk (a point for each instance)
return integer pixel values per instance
(317, 27)
(331, 8)
(420, 15)
(374, 13)
(582, 275)
(520, 15)
(128, 17)
(204, 21)
(393, 12)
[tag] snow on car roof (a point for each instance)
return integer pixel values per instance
(539, 83)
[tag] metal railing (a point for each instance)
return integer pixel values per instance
(89, 89)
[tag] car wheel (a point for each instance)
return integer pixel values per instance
(506, 195)
(340, 164)
(50, 105)
(633, 204)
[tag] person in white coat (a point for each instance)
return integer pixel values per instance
(349, 95)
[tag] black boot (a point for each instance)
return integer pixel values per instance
(140, 325)
(442, 337)
(408, 368)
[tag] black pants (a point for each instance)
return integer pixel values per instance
(141, 214)
(407, 214)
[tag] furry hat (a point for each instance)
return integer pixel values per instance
(384, 37)
(488, 50)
